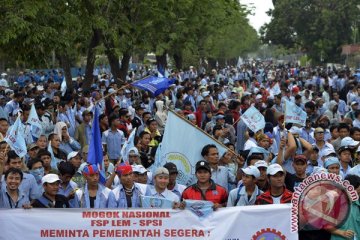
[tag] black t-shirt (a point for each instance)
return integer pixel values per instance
(291, 181)
(92, 201)
(60, 202)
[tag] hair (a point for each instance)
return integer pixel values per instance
(12, 155)
(354, 129)
(14, 171)
(145, 113)
(102, 116)
(33, 161)
(142, 134)
(333, 127)
(3, 119)
(66, 168)
(310, 105)
(216, 128)
(342, 126)
(353, 180)
(254, 156)
(43, 152)
(51, 136)
(205, 150)
(112, 118)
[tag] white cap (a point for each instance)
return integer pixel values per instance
(261, 163)
(348, 141)
(327, 151)
(273, 169)
(50, 178)
(139, 169)
(134, 151)
(295, 130)
(111, 90)
(252, 170)
(205, 94)
(71, 155)
(40, 88)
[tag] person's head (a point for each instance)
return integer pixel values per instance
(345, 154)
(42, 142)
(25, 114)
(253, 158)
(173, 172)
(202, 104)
(334, 131)
(355, 133)
(66, 171)
(140, 174)
(263, 141)
(336, 96)
(91, 174)
(87, 116)
(152, 124)
(14, 161)
(203, 171)
(4, 126)
(276, 176)
(84, 152)
(114, 121)
(145, 138)
(124, 115)
(161, 179)
(50, 184)
(319, 134)
(75, 159)
(218, 131)
(344, 130)
(146, 116)
(13, 178)
(134, 156)
(300, 164)
(210, 153)
(332, 164)
(250, 174)
(55, 140)
(32, 150)
(354, 180)
(262, 166)
(125, 174)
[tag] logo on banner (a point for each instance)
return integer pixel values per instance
(268, 233)
(183, 165)
(321, 201)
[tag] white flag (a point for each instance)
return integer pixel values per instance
(34, 122)
(253, 119)
(181, 144)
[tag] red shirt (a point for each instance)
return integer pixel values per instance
(266, 198)
(215, 193)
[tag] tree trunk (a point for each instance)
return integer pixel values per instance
(66, 66)
(211, 63)
(124, 67)
(113, 58)
(90, 60)
(178, 60)
(161, 61)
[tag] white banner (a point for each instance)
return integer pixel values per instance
(181, 145)
(236, 223)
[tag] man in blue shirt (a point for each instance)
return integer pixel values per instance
(28, 184)
(114, 139)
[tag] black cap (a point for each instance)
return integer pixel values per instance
(202, 164)
(171, 167)
(315, 148)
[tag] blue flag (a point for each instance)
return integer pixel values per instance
(294, 114)
(95, 155)
(253, 119)
(155, 202)
(15, 138)
(154, 85)
(200, 208)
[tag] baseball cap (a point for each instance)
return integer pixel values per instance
(341, 149)
(348, 141)
(301, 158)
(71, 155)
(171, 167)
(31, 146)
(327, 151)
(330, 161)
(139, 169)
(90, 169)
(133, 151)
(50, 178)
(202, 164)
(251, 170)
(354, 103)
(261, 163)
(123, 169)
(318, 129)
(161, 171)
(273, 169)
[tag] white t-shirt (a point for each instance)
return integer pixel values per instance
(276, 200)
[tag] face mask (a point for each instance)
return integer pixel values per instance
(38, 174)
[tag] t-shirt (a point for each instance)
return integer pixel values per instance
(276, 200)
(291, 181)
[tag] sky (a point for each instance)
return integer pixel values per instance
(260, 17)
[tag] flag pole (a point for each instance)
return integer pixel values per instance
(187, 121)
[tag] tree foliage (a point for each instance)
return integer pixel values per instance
(317, 27)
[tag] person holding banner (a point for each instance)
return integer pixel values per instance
(205, 188)
(93, 194)
(127, 193)
(50, 198)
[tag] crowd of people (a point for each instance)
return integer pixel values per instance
(260, 167)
